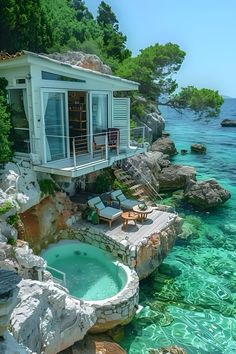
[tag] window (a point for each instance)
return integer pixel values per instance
(99, 112)
(51, 76)
(20, 123)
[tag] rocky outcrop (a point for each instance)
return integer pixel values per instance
(46, 320)
(228, 123)
(206, 194)
(168, 350)
(101, 344)
(52, 214)
(198, 148)
(87, 61)
(21, 259)
(151, 118)
(164, 145)
(8, 283)
(175, 177)
(20, 185)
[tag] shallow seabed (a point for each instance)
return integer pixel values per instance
(191, 300)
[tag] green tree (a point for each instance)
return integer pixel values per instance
(81, 10)
(202, 101)
(154, 69)
(114, 42)
(5, 125)
(23, 26)
(106, 16)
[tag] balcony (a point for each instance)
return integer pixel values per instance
(92, 152)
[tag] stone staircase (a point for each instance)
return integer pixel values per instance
(139, 191)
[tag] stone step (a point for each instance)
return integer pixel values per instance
(136, 186)
(139, 192)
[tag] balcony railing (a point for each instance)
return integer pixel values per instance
(93, 148)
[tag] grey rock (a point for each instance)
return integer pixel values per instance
(47, 320)
(176, 177)
(164, 145)
(87, 61)
(198, 148)
(228, 123)
(8, 281)
(206, 194)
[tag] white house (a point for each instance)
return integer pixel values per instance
(66, 118)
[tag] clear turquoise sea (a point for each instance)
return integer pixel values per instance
(191, 299)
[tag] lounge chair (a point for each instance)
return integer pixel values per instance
(125, 203)
(108, 214)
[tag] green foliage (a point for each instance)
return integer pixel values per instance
(23, 25)
(48, 187)
(103, 182)
(11, 241)
(13, 219)
(5, 207)
(123, 187)
(202, 101)
(5, 125)
(153, 69)
(81, 10)
(114, 42)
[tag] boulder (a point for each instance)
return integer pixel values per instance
(198, 148)
(47, 320)
(183, 151)
(21, 186)
(87, 61)
(168, 350)
(228, 123)
(175, 177)
(206, 194)
(164, 145)
(96, 344)
(155, 122)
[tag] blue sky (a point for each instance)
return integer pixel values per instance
(204, 29)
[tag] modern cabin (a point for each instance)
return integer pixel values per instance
(66, 118)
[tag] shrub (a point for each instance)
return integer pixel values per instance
(103, 182)
(5, 124)
(5, 207)
(48, 187)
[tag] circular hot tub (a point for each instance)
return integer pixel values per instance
(96, 277)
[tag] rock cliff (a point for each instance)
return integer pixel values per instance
(87, 61)
(46, 320)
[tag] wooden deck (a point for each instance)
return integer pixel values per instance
(155, 222)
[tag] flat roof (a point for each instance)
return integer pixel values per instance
(5, 58)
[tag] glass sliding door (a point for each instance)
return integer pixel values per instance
(55, 122)
(99, 112)
(20, 120)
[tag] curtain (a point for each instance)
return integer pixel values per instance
(45, 104)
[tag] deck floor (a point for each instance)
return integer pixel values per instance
(155, 222)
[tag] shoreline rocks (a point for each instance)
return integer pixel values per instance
(206, 194)
(164, 145)
(198, 148)
(228, 123)
(48, 320)
(175, 177)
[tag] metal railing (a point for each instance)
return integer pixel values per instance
(87, 149)
(55, 272)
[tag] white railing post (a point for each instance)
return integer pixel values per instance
(74, 153)
(106, 146)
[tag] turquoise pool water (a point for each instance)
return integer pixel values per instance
(191, 299)
(91, 273)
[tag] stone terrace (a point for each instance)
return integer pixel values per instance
(142, 247)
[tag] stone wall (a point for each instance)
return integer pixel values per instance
(120, 309)
(144, 257)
